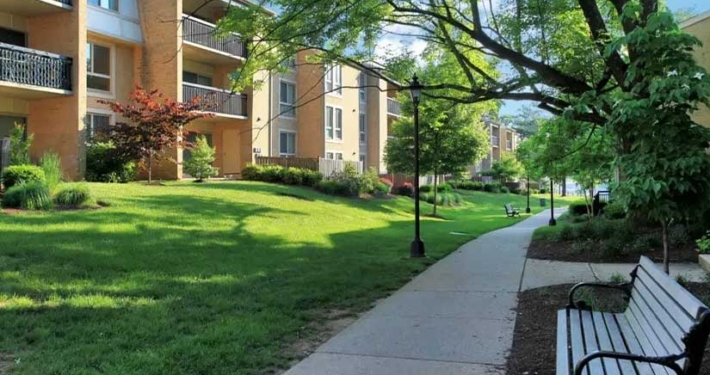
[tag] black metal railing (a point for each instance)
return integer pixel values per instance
(393, 107)
(220, 101)
(203, 33)
(66, 2)
(36, 68)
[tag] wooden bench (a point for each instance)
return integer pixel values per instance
(663, 331)
(510, 211)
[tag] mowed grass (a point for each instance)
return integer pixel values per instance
(217, 278)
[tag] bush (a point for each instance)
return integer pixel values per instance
(491, 188)
(703, 243)
(20, 145)
(641, 244)
(382, 188)
(542, 191)
(678, 235)
(105, 164)
(579, 247)
(614, 211)
(293, 176)
(578, 208)
(16, 174)
(51, 164)
(406, 189)
(311, 178)
(202, 156)
(272, 173)
(327, 187)
(505, 190)
(33, 195)
(251, 172)
(349, 183)
(613, 247)
(73, 195)
(369, 181)
(567, 233)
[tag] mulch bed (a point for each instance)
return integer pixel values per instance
(563, 251)
(534, 344)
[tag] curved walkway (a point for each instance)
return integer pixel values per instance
(458, 316)
(455, 318)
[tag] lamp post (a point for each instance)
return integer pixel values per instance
(527, 209)
(417, 248)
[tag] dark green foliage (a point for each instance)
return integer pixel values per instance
(16, 174)
(491, 188)
(33, 195)
(613, 247)
(614, 211)
(20, 145)
(678, 235)
(543, 191)
(104, 163)
(504, 190)
(51, 164)
(441, 188)
(567, 233)
(405, 189)
(327, 187)
(281, 175)
(199, 166)
(442, 199)
(382, 188)
(73, 195)
(578, 208)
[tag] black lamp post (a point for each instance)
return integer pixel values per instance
(553, 222)
(527, 209)
(417, 248)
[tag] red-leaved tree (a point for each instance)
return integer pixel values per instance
(154, 124)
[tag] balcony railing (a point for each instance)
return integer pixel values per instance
(494, 140)
(36, 68)
(393, 107)
(66, 2)
(223, 101)
(204, 33)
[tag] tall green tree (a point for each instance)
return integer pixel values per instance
(507, 168)
(526, 121)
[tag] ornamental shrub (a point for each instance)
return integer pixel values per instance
(104, 163)
(327, 187)
(51, 164)
(311, 178)
(504, 190)
(491, 188)
(703, 243)
(406, 189)
(33, 195)
(293, 176)
(16, 174)
(273, 173)
(73, 195)
(202, 156)
(614, 211)
(382, 188)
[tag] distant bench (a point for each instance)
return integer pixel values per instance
(510, 211)
(663, 331)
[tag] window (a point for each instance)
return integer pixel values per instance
(196, 79)
(334, 79)
(338, 156)
(97, 124)
(362, 160)
(287, 144)
(334, 155)
(329, 122)
(287, 99)
(338, 124)
(333, 123)
(13, 37)
(289, 62)
(363, 128)
(329, 155)
(98, 67)
(362, 83)
(108, 4)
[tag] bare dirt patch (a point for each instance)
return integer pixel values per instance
(7, 362)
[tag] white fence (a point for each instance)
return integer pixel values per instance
(329, 166)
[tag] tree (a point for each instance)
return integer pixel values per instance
(507, 168)
(155, 124)
(199, 165)
(526, 122)
(20, 143)
(449, 142)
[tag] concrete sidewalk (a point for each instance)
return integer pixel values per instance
(455, 318)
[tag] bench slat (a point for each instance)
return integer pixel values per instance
(648, 344)
(680, 315)
(617, 343)
(563, 365)
(634, 345)
(686, 300)
(611, 366)
(666, 328)
(576, 337)
(590, 341)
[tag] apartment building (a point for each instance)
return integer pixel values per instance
(60, 57)
(503, 139)
(699, 26)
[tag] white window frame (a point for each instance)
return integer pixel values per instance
(329, 155)
(291, 115)
(111, 77)
(90, 112)
(334, 155)
(333, 81)
(334, 123)
(363, 160)
(101, 5)
(362, 127)
(295, 144)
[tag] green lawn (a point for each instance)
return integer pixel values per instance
(212, 279)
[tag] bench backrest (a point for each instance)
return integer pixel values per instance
(508, 208)
(666, 317)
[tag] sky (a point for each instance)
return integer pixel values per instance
(697, 6)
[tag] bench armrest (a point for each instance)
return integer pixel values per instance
(669, 361)
(625, 287)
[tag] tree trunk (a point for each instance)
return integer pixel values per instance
(564, 186)
(150, 169)
(666, 256)
(436, 179)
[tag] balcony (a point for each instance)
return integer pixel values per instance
(225, 103)
(30, 8)
(200, 35)
(494, 141)
(32, 74)
(393, 107)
